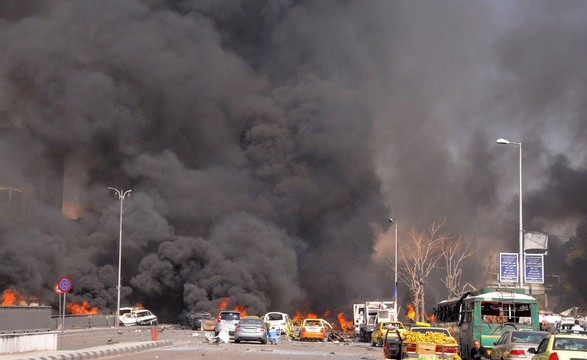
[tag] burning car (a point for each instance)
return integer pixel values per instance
(130, 316)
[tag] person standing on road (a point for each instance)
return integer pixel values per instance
(548, 327)
(273, 336)
(478, 352)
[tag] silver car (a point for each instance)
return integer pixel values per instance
(251, 329)
(514, 344)
(227, 319)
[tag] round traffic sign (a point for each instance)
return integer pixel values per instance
(64, 284)
(57, 289)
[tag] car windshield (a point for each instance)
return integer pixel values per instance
(573, 344)
(251, 322)
(527, 337)
(230, 316)
(274, 316)
(313, 323)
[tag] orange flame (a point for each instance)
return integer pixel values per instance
(82, 309)
(241, 310)
(345, 325)
(72, 210)
(223, 303)
(430, 318)
(11, 297)
(411, 313)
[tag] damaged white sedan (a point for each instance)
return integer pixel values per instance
(136, 316)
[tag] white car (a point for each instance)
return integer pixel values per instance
(277, 320)
(137, 316)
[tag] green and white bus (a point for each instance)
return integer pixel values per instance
(485, 314)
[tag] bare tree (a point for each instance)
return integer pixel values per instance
(491, 266)
(418, 258)
(455, 250)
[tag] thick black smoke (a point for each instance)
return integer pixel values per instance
(266, 141)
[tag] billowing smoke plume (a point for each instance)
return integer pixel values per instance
(266, 141)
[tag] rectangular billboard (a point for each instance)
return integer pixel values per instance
(534, 268)
(508, 267)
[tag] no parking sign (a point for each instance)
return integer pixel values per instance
(64, 284)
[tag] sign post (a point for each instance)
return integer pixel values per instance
(63, 286)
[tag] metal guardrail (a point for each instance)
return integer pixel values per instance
(26, 319)
(23, 319)
(82, 321)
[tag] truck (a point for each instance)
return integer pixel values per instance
(367, 315)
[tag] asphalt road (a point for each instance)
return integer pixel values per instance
(190, 344)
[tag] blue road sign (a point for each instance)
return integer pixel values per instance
(508, 267)
(64, 284)
(534, 268)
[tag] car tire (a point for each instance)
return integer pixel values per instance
(263, 342)
(237, 341)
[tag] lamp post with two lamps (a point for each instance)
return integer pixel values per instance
(395, 270)
(121, 195)
(521, 260)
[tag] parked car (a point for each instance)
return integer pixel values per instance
(278, 320)
(227, 319)
(201, 321)
(251, 329)
(514, 344)
(314, 329)
(562, 346)
(381, 328)
(130, 316)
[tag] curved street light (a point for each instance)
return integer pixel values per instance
(521, 260)
(121, 195)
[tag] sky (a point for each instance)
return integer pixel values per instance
(267, 143)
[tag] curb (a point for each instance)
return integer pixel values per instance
(96, 354)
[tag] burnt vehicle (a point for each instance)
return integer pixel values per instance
(201, 321)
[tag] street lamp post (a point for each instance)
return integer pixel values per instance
(395, 271)
(121, 195)
(504, 141)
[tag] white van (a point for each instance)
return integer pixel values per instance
(276, 319)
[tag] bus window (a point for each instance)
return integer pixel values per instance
(500, 313)
(468, 312)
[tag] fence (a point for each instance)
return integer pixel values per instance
(82, 321)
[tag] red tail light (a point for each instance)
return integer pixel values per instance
(304, 329)
(553, 356)
(322, 330)
(262, 330)
(219, 320)
(238, 328)
(448, 349)
(518, 353)
(411, 348)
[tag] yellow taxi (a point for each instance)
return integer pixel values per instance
(381, 328)
(562, 346)
(314, 329)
